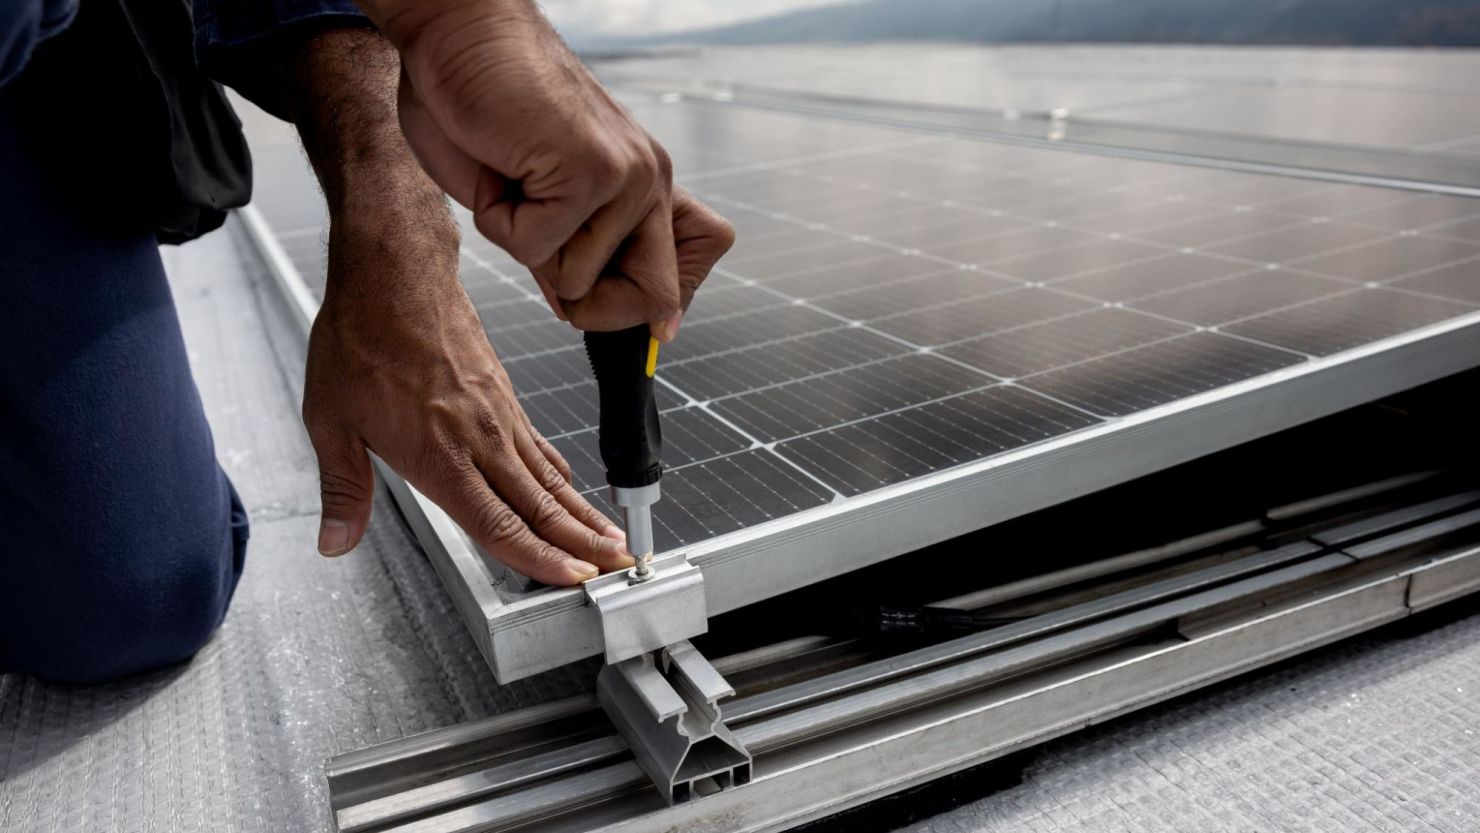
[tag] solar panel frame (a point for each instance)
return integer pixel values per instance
(766, 538)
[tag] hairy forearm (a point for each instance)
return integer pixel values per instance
(342, 92)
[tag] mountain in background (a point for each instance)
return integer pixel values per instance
(1334, 22)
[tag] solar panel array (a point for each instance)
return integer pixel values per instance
(899, 304)
(1417, 100)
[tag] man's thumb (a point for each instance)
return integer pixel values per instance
(346, 486)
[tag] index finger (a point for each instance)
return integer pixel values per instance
(639, 286)
(701, 238)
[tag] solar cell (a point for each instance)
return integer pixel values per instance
(944, 322)
(1024, 351)
(1212, 229)
(1124, 282)
(908, 443)
(1143, 377)
(1295, 242)
(1460, 281)
(1349, 320)
(1387, 259)
(820, 402)
(1230, 299)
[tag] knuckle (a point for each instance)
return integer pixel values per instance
(338, 490)
(545, 554)
(441, 452)
(664, 162)
(646, 169)
(607, 165)
(490, 425)
(499, 523)
(550, 477)
(724, 234)
(546, 511)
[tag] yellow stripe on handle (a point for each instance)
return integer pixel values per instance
(652, 362)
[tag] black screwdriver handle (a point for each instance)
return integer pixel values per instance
(631, 441)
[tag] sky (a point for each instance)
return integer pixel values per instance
(641, 17)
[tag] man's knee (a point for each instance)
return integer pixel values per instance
(140, 597)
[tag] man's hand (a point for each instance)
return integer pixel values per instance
(512, 126)
(398, 363)
(406, 371)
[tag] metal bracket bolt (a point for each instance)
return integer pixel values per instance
(643, 616)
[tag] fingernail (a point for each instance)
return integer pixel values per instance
(333, 537)
(585, 570)
(670, 327)
(615, 533)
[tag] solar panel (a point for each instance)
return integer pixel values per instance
(1399, 99)
(904, 307)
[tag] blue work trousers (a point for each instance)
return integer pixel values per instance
(121, 540)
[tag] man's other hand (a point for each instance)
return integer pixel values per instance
(410, 375)
(512, 126)
(398, 363)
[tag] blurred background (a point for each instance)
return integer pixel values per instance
(607, 23)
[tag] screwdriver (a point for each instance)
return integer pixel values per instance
(629, 435)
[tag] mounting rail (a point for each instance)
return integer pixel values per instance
(1191, 616)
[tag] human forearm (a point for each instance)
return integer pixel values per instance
(341, 89)
(397, 361)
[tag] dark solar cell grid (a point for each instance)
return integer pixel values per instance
(884, 282)
(1230, 299)
(1296, 242)
(750, 368)
(1390, 258)
(713, 498)
(1025, 351)
(905, 444)
(548, 371)
(1148, 277)
(1346, 321)
(1123, 383)
(689, 436)
(970, 318)
(721, 301)
(884, 267)
(564, 410)
(720, 335)
(830, 254)
(880, 300)
(1135, 216)
(822, 402)
(1338, 200)
(1417, 213)
(930, 236)
(1073, 260)
(753, 246)
(1466, 230)
(1460, 281)
(1209, 230)
(1013, 244)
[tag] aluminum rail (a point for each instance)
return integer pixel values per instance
(831, 742)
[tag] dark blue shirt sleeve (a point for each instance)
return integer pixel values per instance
(236, 40)
(25, 23)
